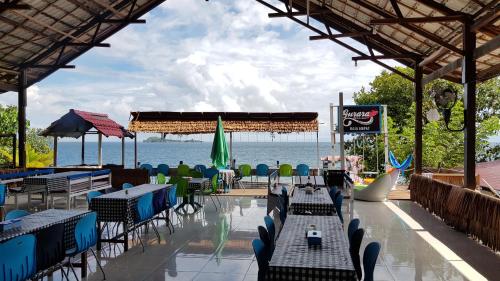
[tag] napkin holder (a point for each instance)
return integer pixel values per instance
(314, 238)
(309, 189)
(10, 224)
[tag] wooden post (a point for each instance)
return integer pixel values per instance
(386, 140)
(418, 117)
(341, 130)
(21, 117)
(99, 149)
(317, 150)
(469, 81)
(55, 152)
(123, 151)
(231, 150)
(135, 150)
(83, 149)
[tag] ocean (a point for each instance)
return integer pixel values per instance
(192, 153)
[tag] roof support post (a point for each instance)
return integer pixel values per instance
(418, 117)
(469, 82)
(99, 149)
(54, 163)
(123, 151)
(83, 149)
(135, 150)
(21, 116)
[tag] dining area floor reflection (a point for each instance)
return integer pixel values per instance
(217, 245)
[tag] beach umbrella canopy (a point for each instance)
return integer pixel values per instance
(220, 153)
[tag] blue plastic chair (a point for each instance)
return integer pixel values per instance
(86, 238)
(15, 214)
(353, 226)
(332, 192)
(172, 201)
(149, 168)
(92, 194)
(302, 170)
(163, 168)
(210, 173)
(354, 245)
(200, 168)
(20, 262)
(262, 170)
(127, 185)
(271, 229)
(338, 207)
(264, 237)
(144, 215)
(259, 249)
(370, 259)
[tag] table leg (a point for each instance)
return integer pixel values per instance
(84, 264)
(125, 236)
(99, 236)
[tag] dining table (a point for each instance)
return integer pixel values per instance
(33, 223)
(318, 202)
(294, 259)
(314, 180)
(120, 206)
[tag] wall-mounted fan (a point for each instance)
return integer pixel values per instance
(445, 99)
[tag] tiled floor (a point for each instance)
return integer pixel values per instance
(216, 245)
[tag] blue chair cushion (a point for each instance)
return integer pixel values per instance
(101, 172)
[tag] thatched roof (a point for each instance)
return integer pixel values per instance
(204, 122)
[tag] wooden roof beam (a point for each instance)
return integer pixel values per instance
(396, 8)
(8, 87)
(298, 14)
(485, 49)
(342, 35)
(102, 45)
(417, 20)
(443, 9)
(13, 6)
(385, 57)
(416, 29)
(110, 8)
(53, 66)
(347, 46)
(123, 21)
(486, 19)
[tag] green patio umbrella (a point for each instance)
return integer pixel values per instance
(220, 153)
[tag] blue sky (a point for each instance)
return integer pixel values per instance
(193, 55)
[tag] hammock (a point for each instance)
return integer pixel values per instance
(403, 166)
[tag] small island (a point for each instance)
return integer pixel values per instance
(159, 139)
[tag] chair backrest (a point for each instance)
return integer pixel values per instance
(200, 168)
(245, 170)
(160, 178)
(264, 237)
(369, 259)
(283, 206)
(163, 168)
(147, 167)
(50, 246)
(262, 170)
(286, 170)
(3, 191)
(15, 214)
(183, 170)
(20, 263)
(215, 183)
(209, 173)
(196, 174)
(92, 194)
(145, 209)
(332, 192)
(353, 226)
(259, 249)
(271, 228)
(302, 170)
(172, 196)
(182, 186)
(338, 207)
(159, 201)
(86, 232)
(127, 185)
(354, 245)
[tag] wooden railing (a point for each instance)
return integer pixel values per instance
(466, 210)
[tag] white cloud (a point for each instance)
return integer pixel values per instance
(203, 56)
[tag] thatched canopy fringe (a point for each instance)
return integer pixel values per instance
(205, 122)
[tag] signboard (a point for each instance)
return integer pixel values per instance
(362, 119)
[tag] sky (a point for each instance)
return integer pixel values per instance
(193, 55)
